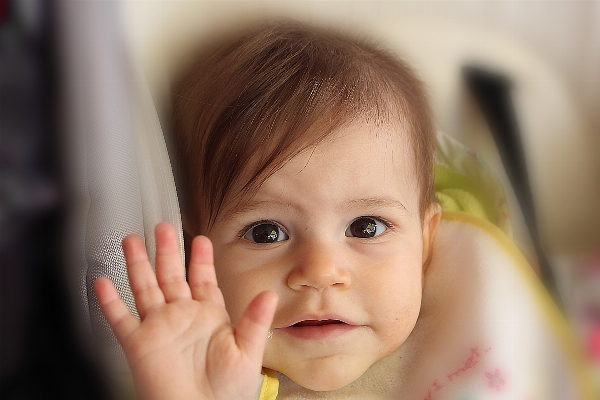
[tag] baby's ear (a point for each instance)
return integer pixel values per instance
(431, 221)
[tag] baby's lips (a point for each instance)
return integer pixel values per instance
(312, 322)
(316, 320)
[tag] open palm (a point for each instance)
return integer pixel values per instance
(184, 346)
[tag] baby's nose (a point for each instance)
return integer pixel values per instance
(319, 266)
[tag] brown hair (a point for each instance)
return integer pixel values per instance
(246, 108)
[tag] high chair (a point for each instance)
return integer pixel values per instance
(488, 328)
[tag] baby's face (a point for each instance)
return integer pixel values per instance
(336, 233)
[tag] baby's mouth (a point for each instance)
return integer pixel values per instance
(319, 329)
(313, 322)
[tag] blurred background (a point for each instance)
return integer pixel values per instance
(538, 61)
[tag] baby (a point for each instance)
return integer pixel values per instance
(306, 171)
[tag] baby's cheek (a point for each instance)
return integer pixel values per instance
(240, 286)
(397, 310)
(233, 294)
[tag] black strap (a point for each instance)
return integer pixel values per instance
(491, 92)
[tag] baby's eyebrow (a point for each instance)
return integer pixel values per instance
(369, 202)
(374, 202)
(247, 207)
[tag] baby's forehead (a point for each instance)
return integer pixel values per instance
(355, 154)
(363, 135)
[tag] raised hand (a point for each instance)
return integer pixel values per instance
(184, 346)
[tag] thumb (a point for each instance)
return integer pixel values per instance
(253, 326)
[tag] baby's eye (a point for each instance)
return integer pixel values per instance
(265, 232)
(365, 227)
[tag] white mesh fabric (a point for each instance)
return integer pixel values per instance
(157, 186)
(119, 167)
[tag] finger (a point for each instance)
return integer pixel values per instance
(142, 279)
(201, 274)
(116, 312)
(170, 272)
(253, 326)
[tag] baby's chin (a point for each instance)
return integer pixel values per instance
(325, 382)
(326, 374)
